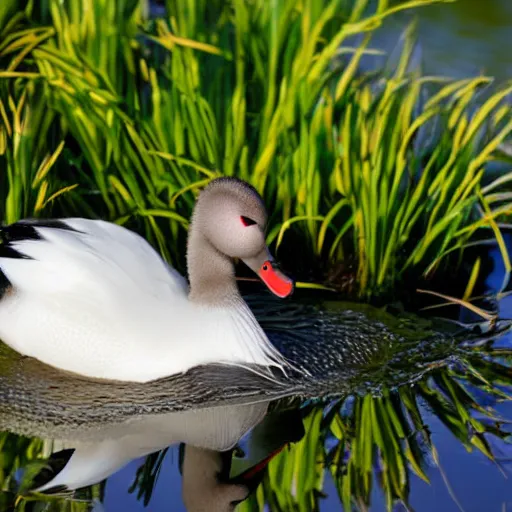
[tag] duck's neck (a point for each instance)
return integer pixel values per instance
(211, 273)
(202, 488)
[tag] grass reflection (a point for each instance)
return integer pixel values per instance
(381, 440)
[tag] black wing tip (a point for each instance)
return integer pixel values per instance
(25, 230)
(54, 465)
(45, 223)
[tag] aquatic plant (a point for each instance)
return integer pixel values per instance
(106, 114)
(382, 440)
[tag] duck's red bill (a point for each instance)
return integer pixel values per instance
(253, 475)
(275, 280)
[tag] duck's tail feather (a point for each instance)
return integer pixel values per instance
(73, 469)
(54, 465)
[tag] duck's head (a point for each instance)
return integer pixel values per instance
(230, 218)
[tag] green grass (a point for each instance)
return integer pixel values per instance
(104, 113)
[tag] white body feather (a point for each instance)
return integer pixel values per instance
(100, 302)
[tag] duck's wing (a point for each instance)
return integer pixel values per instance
(80, 257)
(86, 296)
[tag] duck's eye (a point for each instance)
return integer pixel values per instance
(246, 221)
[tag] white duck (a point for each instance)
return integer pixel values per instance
(94, 298)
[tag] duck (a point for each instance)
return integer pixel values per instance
(94, 298)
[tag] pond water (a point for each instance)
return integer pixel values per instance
(349, 347)
(467, 481)
(459, 39)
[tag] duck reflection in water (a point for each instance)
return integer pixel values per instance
(217, 482)
(213, 481)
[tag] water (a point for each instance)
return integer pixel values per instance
(460, 39)
(342, 350)
(467, 480)
(475, 32)
(401, 351)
